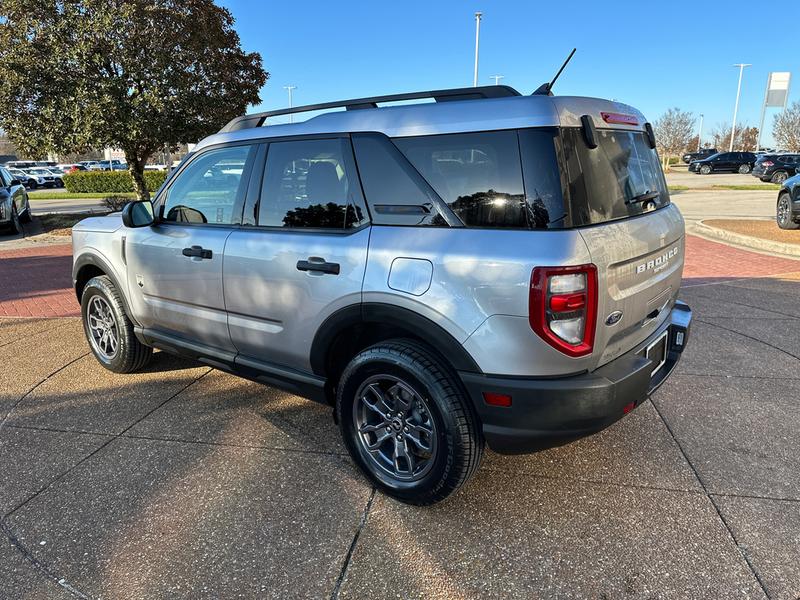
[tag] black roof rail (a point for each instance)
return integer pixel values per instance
(472, 93)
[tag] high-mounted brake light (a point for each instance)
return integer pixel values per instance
(562, 307)
(619, 119)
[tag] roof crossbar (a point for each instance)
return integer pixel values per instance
(472, 93)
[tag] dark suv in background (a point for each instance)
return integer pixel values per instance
(724, 162)
(776, 168)
(699, 155)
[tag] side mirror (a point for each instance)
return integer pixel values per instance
(138, 214)
(16, 182)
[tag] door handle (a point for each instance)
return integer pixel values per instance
(197, 252)
(320, 265)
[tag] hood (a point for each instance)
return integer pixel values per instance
(104, 224)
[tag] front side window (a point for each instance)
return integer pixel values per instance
(211, 188)
(478, 175)
(311, 184)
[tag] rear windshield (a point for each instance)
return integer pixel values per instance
(540, 178)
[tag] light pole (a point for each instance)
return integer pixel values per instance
(497, 78)
(478, 16)
(289, 89)
(700, 134)
(736, 106)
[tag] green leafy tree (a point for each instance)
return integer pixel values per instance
(137, 75)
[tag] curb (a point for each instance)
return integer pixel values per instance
(746, 241)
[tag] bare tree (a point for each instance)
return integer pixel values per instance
(674, 132)
(786, 128)
(745, 139)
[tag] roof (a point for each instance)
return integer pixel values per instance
(431, 118)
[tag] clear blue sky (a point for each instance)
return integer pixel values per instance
(653, 55)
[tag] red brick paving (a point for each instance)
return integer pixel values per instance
(709, 262)
(37, 282)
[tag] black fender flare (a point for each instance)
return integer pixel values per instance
(375, 312)
(95, 260)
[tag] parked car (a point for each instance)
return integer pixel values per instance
(724, 162)
(699, 155)
(20, 164)
(46, 177)
(419, 268)
(71, 168)
(91, 165)
(15, 208)
(31, 182)
(776, 168)
(788, 206)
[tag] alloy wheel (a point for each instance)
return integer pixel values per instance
(395, 428)
(103, 333)
(783, 210)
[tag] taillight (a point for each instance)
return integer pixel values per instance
(562, 307)
(767, 163)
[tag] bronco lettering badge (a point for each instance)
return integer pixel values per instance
(656, 264)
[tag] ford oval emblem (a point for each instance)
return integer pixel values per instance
(614, 318)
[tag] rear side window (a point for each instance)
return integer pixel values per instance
(396, 193)
(311, 184)
(620, 178)
(478, 175)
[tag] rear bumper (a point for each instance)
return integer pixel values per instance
(551, 412)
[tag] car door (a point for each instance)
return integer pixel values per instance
(724, 162)
(304, 255)
(174, 267)
(16, 191)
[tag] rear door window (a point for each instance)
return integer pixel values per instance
(311, 184)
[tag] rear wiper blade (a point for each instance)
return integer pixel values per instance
(648, 195)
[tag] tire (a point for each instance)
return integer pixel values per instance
(779, 177)
(436, 410)
(784, 213)
(26, 217)
(14, 225)
(32, 185)
(101, 304)
(705, 169)
(744, 169)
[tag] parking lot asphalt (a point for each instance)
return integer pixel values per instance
(182, 481)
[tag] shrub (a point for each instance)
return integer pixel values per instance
(116, 203)
(109, 182)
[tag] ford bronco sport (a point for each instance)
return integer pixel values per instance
(485, 268)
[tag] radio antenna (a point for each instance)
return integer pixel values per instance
(546, 89)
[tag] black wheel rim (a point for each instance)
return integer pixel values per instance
(394, 428)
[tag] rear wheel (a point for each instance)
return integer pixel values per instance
(108, 329)
(705, 169)
(14, 225)
(406, 422)
(779, 177)
(784, 213)
(744, 169)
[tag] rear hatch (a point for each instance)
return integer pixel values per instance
(618, 198)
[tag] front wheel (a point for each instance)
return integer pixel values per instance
(744, 169)
(705, 169)
(784, 213)
(108, 329)
(26, 216)
(407, 423)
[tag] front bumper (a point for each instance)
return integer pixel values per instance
(551, 412)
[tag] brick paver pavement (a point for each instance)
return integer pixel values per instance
(37, 282)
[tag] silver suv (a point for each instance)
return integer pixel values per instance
(488, 267)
